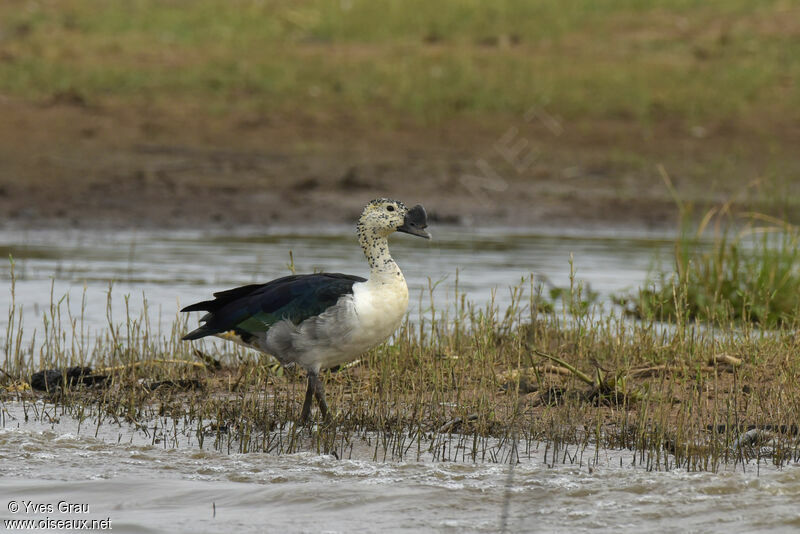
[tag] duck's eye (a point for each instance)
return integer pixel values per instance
(389, 208)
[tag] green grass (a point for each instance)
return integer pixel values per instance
(690, 61)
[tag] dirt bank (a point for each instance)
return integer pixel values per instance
(66, 162)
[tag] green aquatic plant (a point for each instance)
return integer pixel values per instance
(747, 271)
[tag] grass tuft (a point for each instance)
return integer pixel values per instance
(746, 271)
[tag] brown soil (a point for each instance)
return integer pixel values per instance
(66, 162)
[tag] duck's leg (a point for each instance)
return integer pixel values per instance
(316, 390)
(312, 378)
(319, 393)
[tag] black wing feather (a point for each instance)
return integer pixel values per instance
(254, 308)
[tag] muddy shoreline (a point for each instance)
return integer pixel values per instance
(64, 163)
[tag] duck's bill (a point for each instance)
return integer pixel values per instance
(415, 222)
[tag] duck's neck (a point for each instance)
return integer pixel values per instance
(381, 265)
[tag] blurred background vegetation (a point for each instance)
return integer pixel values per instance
(699, 64)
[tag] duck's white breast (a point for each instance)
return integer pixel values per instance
(380, 307)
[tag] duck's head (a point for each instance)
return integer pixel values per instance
(383, 216)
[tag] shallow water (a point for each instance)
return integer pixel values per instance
(143, 487)
(143, 484)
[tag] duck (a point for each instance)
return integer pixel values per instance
(322, 320)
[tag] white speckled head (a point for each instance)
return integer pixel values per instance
(382, 216)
